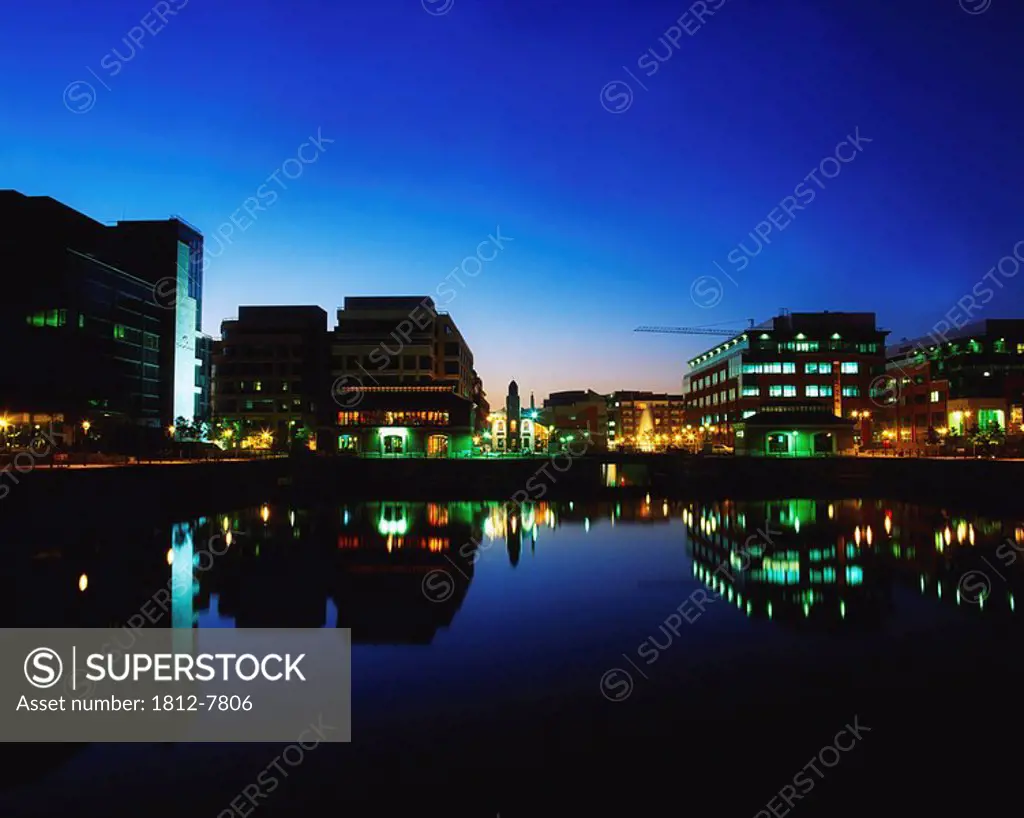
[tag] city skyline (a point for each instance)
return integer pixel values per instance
(616, 216)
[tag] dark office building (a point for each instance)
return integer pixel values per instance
(169, 255)
(270, 373)
(395, 340)
(104, 319)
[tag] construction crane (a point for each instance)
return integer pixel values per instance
(705, 330)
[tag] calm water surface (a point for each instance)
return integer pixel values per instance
(460, 610)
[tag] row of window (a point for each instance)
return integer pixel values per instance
(810, 368)
(388, 418)
(778, 391)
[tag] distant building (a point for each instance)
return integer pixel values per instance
(400, 340)
(970, 378)
(270, 375)
(515, 429)
(582, 413)
(646, 421)
(832, 359)
(106, 320)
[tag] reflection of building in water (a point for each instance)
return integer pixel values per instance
(84, 578)
(833, 558)
(403, 569)
(785, 559)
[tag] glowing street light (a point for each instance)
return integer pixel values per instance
(86, 426)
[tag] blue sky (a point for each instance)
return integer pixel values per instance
(447, 126)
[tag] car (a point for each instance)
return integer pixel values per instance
(717, 448)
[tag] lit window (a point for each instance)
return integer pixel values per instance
(775, 391)
(751, 391)
(849, 368)
(119, 332)
(851, 391)
(789, 391)
(936, 396)
(812, 391)
(788, 368)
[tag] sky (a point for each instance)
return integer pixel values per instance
(397, 136)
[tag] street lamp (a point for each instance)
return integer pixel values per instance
(86, 426)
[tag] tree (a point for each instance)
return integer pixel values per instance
(991, 435)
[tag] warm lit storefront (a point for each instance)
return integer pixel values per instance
(405, 421)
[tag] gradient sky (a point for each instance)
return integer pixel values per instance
(449, 125)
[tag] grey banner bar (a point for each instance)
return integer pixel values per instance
(164, 684)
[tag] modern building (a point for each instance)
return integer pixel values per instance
(270, 375)
(833, 359)
(575, 413)
(169, 256)
(105, 318)
(646, 421)
(515, 429)
(400, 340)
(971, 378)
(405, 421)
(793, 431)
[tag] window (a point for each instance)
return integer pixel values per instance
(751, 391)
(936, 396)
(849, 368)
(798, 346)
(748, 413)
(789, 391)
(119, 332)
(789, 368)
(818, 368)
(775, 391)
(851, 391)
(812, 391)
(257, 386)
(867, 349)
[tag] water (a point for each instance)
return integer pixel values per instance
(471, 623)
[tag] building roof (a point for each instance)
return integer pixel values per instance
(794, 416)
(984, 328)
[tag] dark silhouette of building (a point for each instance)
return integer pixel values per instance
(400, 340)
(105, 319)
(270, 371)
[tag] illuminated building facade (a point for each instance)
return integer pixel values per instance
(400, 340)
(793, 431)
(405, 421)
(115, 308)
(646, 421)
(514, 430)
(270, 374)
(829, 358)
(972, 378)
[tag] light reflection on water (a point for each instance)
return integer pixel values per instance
(401, 572)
